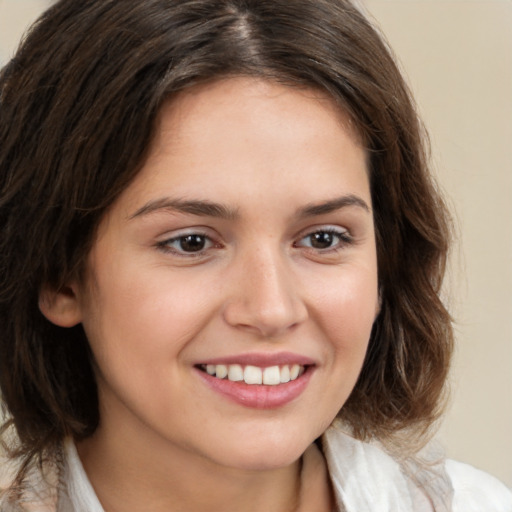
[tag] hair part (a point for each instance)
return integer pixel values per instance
(78, 108)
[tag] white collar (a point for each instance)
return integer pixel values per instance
(80, 494)
(365, 477)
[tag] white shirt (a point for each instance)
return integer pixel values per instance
(366, 479)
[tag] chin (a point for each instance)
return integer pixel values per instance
(263, 452)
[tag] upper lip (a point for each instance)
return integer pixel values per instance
(262, 360)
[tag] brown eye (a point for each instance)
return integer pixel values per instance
(192, 243)
(322, 240)
(325, 239)
(189, 244)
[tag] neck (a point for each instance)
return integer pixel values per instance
(151, 476)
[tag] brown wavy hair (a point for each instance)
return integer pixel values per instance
(78, 104)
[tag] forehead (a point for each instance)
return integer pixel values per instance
(238, 139)
(247, 98)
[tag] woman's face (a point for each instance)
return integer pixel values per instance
(244, 246)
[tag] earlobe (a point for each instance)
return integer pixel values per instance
(61, 307)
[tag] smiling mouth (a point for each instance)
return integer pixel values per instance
(255, 375)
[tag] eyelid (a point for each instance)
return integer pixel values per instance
(330, 228)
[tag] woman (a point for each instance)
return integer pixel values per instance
(221, 259)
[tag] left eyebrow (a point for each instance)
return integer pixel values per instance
(338, 203)
(194, 207)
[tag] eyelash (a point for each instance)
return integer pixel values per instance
(343, 236)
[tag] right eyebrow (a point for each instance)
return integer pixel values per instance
(338, 203)
(198, 207)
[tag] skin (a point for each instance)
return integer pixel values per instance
(259, 284)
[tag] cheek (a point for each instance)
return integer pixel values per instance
(345, 312)
(348, 306)
(137, 333)
(134, 317)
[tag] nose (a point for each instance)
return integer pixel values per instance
(264, 298)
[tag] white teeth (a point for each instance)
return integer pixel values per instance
(235, 372)
(253, 375)
(269, 376)
(294, 371)
(221, 371)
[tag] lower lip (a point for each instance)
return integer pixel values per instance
(258, 396)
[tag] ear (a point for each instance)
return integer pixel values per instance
(61, 307)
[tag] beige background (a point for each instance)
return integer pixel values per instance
(458, 57)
